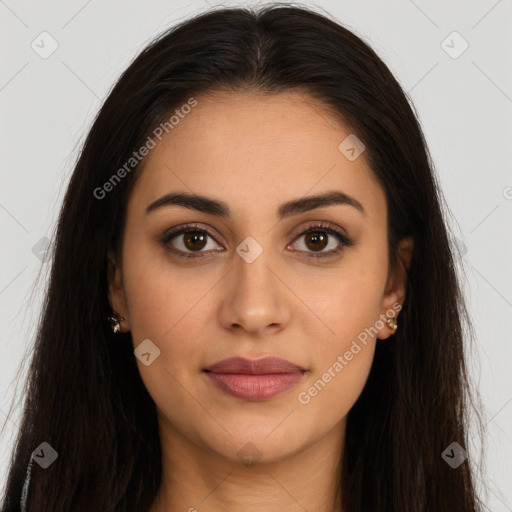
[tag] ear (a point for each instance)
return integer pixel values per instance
(396, 286)
(116, 296)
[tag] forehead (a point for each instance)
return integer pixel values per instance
(252, 149)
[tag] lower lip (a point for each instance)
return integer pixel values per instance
(255, 387)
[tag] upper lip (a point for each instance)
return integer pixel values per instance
(263, 366)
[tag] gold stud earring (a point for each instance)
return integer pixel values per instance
(392, 324)
(115, 321)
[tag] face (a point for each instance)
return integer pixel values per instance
(308, 283)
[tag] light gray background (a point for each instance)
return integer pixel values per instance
(464, 105)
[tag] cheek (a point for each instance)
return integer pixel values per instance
(348, 308)
(333, 390)
(162, 297)
(343, 352)
(171, 306)
(167, 309)
(342, 357)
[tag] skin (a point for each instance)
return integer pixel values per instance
(254, 152)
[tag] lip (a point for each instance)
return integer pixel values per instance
(254, 380)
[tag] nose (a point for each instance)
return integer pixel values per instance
(255, 300)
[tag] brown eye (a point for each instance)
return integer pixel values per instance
(316, 240)
(194, 240)
(189, 242)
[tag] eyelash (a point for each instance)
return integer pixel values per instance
(342, 238)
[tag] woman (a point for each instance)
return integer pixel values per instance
(253, 303)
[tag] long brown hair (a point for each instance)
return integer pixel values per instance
(85, 396)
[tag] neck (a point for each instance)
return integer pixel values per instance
(196, 479)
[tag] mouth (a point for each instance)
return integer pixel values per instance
(254, 380)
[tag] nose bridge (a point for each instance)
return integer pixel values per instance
(256, 297)
(253, 265)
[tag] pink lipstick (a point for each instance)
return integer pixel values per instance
(254, 380)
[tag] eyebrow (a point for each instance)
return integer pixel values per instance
(212, 206)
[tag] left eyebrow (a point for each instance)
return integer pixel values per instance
(221, 209)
